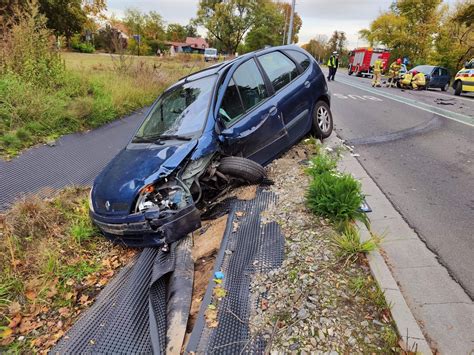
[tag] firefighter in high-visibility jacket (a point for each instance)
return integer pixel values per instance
(419, 81)
(405, 82)
(394, 72)
(377, 72)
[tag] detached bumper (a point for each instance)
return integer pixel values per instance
(148, 229)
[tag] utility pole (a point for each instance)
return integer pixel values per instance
(284, 30)
(290, 29)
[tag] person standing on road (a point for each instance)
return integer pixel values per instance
(394, 72)
(333, 64)
(377, 72)
(419, 81)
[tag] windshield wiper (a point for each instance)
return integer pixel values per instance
(156, 138)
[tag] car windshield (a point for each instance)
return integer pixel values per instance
(181, 112)
(425, 69)
(210, 51)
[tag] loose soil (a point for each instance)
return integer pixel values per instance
(207, 242)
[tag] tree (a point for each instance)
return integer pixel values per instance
(318, 47)
(227, 20)
(65, 17)
(454, 42)
(191, 30)
(269, 27)
(409, 28)
(297, 21)
(176, 32)
(154, 27)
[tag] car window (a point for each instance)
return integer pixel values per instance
(301, 58)
(444, 72)
(246, 90)
(279, 68)
(436, 72)
(231, 108)
(250, 83)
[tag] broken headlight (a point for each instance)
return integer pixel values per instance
(168, 196)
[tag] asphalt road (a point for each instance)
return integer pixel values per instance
(419, 149)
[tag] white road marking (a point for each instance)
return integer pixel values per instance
(356, 97)
(467, 120)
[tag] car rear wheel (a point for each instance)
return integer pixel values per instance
(457, 88)
(322, 120)
(242, 168)
(445, 87)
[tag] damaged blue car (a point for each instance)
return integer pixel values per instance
(210, 131)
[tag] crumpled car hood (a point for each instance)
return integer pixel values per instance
(116, 188)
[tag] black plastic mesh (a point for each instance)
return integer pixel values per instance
(256, 247)
(130, 314)
(75, 159)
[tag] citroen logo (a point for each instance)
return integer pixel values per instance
(107, 205)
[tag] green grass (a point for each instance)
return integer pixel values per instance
(337, 197)
(350, 244)
(90, 93)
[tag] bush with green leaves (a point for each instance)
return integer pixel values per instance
(337, 197)
(321, 163)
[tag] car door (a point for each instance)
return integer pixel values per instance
(445, 77)
(435, 78)
(292, 92)
(252, 124)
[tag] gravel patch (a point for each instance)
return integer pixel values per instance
(315, 301)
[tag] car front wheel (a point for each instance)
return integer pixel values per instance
(457, 88)
(322, 120)
(445, 87)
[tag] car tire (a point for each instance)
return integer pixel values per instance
(445, 87)
(322, 123)
(457, 88)
(242, 168)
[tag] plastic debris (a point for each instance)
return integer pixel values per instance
(219, 275)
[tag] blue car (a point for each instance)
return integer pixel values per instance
(210, 131)
(436, 77)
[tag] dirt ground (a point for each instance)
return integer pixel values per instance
(207, 241)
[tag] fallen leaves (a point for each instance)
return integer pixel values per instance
(211, 316)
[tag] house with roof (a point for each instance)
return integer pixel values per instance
(191, 45)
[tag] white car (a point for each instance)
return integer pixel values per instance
(210, 54)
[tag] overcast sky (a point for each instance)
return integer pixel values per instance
(319, 16)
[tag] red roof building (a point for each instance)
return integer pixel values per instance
(197, 42)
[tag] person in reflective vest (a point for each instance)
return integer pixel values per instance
(333, 64)
(405, 82)
(419, 81)
(394, 72)
(377, 72)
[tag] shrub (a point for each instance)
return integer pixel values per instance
(84, 47)
(25, 49)
(337, 197)
(321, 163)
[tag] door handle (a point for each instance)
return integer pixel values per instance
(307, 84)
(273, 111)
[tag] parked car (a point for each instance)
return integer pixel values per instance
(464, 80)
(209, 131)
(210, 54)
(436, 77)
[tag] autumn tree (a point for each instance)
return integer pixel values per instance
(227, 20)
(454, 42)
(176, 32)
(271, 26)
(408, 28)
(318, 47)
(154, 27)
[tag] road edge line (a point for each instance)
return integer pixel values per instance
(407, 326)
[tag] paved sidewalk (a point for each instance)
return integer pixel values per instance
(75, 159)
(443, 310)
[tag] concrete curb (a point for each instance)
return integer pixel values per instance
(404, 320)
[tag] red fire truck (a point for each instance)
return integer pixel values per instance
(361, 60)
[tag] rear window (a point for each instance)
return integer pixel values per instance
(301, 58)
(279, 68)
